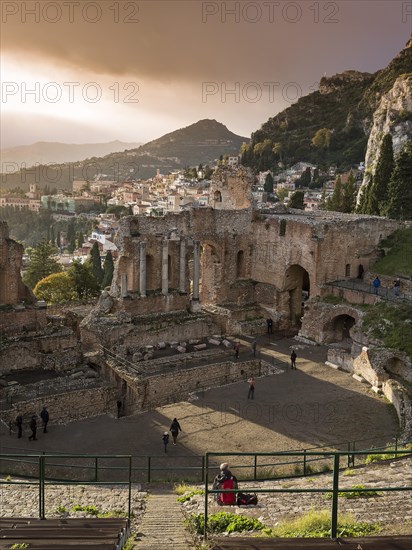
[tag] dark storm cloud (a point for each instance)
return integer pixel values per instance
(172, 40)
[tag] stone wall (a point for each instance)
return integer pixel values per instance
(67, 407)
(401, 399)
(15, 322)
(143, 393)
(54, 351)
(12, 289)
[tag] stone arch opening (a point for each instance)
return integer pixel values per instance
(217, 196)
(338, 329)
(297, 284)
(240, 265)
(150, 274)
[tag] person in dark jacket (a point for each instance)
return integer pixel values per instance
(225, 480)
(33, 428)
(165, 440)
(45, 418)
(19, 424)
(293, 357)
(175, 429)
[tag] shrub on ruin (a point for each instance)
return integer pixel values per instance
(55, 289)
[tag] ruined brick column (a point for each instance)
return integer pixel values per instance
(182, 266)
(123, 285)
(165, 267)
(196, 269)
(142, 285)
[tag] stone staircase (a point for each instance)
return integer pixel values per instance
(162, 525)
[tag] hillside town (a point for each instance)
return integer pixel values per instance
(105, 201)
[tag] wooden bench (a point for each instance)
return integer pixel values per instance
(61, 534)
(366, 543)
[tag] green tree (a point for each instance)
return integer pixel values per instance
(80, 239)
(58, 240)
(41, 263)
(400, 187)
(323, 200)
(281, 193)
(96, 262)
(108, 269)
(84, 281)
(335, 203)
(56, 288)
(296, 200)
(268, 187)
(72, 244)
(378, 190)
(349, 194)
(306, 178)
(363, 200)
(321, 139)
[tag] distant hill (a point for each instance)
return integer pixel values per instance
(344, 104)
(202, 142)
(44, 152)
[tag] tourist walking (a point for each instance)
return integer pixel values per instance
(293, 357)
(253, 346)
(33, 428)
(45, 418)
(236, 347)
(251, 392)
(19, 424)
(165, 439)
(396, 287)
(376, 284)
(269, 324)
(175, 429)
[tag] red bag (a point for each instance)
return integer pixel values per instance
(227, 499)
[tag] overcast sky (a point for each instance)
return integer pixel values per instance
(80, 71)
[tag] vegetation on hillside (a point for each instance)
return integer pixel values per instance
(328, 126)
(391, 324)
(397, 260)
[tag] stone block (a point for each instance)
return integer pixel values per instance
(148, 356)
(174, 344)
(227, 344)
(329, 364)
(377, 390)
(214, 342)
(199, 347)
(358, 378)
(193, 342)
(137, 357)
(161, 345)
(183, 344)
(181, 349)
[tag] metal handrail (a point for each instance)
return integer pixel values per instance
(335, 485)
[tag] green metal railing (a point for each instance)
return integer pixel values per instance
(43, 481)
(335, 490)
(168, 467)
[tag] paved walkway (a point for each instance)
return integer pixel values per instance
(162, 525)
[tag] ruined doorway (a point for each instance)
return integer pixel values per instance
(338, 329)
(297, 284)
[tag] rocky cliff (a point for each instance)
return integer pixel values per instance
(394, 116)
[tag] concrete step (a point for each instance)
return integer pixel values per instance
(162, 525)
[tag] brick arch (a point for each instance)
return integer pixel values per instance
(338, 324)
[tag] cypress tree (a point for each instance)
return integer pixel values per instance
(268, 187)
(400, 188)
(349, 194)
(336, 201)
(378, 197)
(96, 262)
(108, 270)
